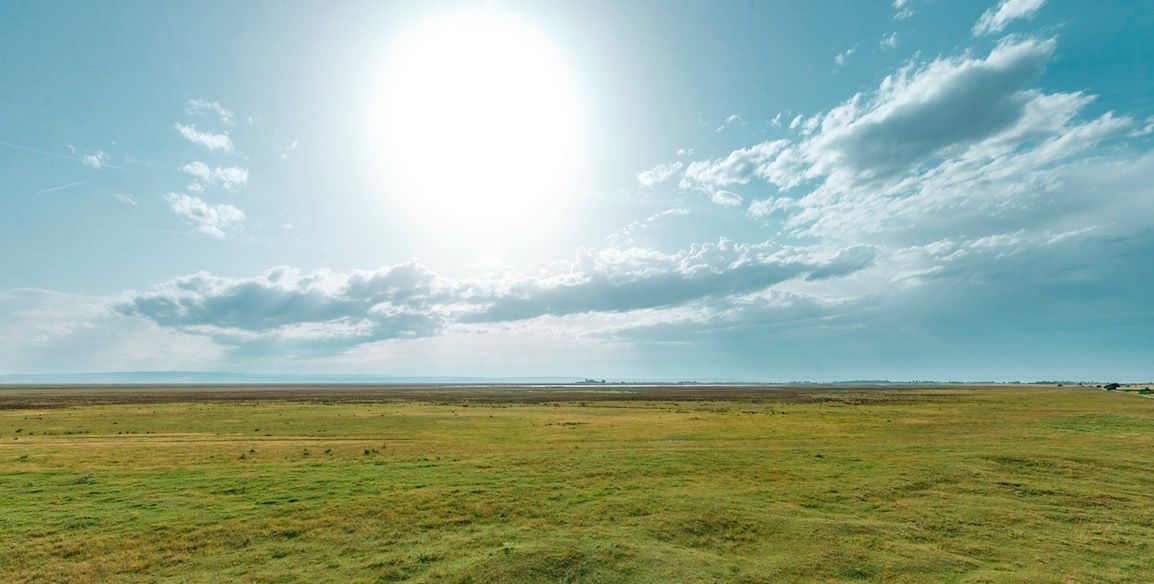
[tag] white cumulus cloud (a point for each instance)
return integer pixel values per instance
(205, 218)
(94, 160)
(213, 141)
(228, 177)
(660, 173)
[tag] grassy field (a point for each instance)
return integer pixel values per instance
(1003, 484)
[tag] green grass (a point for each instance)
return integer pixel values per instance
(936, 485)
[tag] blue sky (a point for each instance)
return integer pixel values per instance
(917, 189)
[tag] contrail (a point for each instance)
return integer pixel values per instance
(67, 186)
(58, 155)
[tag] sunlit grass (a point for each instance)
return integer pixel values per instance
(983, 485)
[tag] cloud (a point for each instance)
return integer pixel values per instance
(736, 168)
(46, 331)
(956, 208)
(1145, 130)
(995, 19)
(321, 309)
(762, 310)
(804, 125)
(966, 136)
(958, 320)
(124, 198)
(841, 58)
(732, 120)
(94, 160)
(919, 112)
(620, 280)
(889, 41)
(726, 198)
(660, 173)
(209, 140)
(208, 219)
(903, 10)
(332, 311)
(97, 160)
(787, 304)
(956, 145)
(919, 116)
(627, 236)
(956, 176)
(772, 320)
(767, 207)
(847, 261)
(199, 107)
(230, 177)
(287, 150)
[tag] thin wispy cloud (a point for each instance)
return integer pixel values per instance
(124, 198)
(66, 186)
(903, 9)
(628, 236)
(726, 198)
(732, 120)
(199, 107)
(841, 58)
(210, 140)
(995, 19)
(96, 160)
(287, 150)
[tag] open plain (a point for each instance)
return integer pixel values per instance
(576, 484)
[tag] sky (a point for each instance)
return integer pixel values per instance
(760, 191)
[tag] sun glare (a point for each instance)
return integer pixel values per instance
(482, 128)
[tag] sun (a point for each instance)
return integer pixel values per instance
(482, 127)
